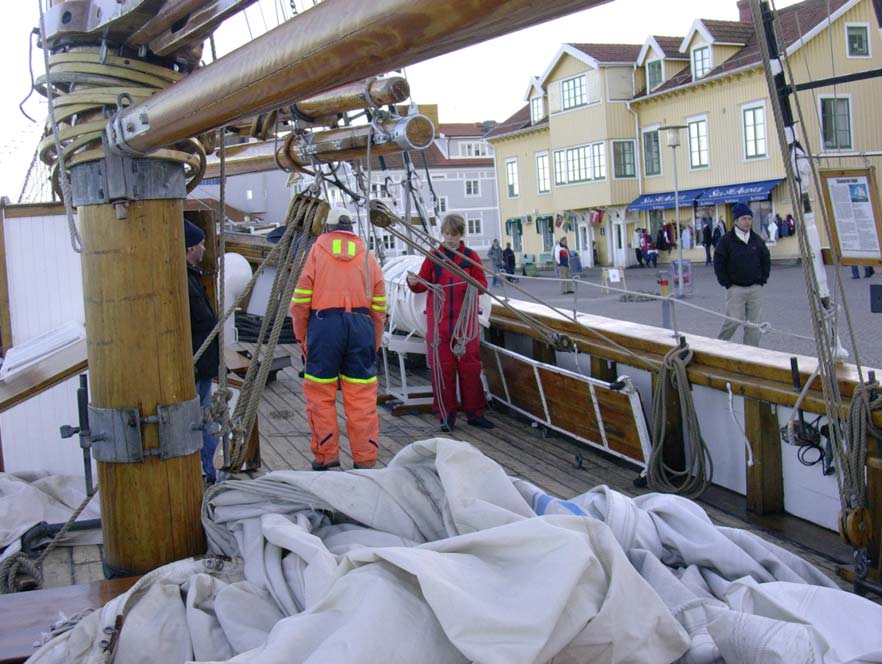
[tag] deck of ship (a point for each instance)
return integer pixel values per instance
(543, 457)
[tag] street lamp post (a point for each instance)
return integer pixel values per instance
(673, 139)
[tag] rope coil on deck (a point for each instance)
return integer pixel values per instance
(698, 469)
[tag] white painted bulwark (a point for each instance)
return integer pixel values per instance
(45, 278)
(45, 292)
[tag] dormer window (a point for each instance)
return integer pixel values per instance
(701, 61)
(572, 92)
(653, 74)
(537, 112)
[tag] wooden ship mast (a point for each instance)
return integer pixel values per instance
(132, 116)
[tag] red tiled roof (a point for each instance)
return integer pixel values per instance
(462, 128)
(434, 159)
(517, 122)
(794, 22)
(611, 52)
(729, 32)
(670, 46)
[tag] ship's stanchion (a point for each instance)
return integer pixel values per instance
(664, 289)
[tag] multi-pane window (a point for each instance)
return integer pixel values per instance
(474, 225)
(572, 92)
(698, 148)
(654, 74)
(537, 112)
(442, 204)
(700, 61)
(473, 149)
(858, 37)
(543, 177)
(560, 167)
(623, 159)
(598, 161)
(511, 178)
(651, 153)
(754, 132)
(472, 188)
(578, 164)
(388, 242)
(836, 123)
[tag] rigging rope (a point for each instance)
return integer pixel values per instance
(19, 564)
(698, 470)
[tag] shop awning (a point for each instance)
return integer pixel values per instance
(512, 224)
(664, 201)
(738, 193)
(541, 221)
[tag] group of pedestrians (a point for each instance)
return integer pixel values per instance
(502, 260)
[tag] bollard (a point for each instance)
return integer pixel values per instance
(664, 289)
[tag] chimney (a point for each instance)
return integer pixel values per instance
(745, 15)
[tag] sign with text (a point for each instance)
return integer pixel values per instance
(852, 201)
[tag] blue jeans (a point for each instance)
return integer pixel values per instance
(209, 442)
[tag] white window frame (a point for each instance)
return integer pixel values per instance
(821, 98)
(661, 170)
(752, 106)
(476, 190)
(536, 114)
(473, 222)
(512, 183)
(559, 163)
(633, 159)
(695, 119)
(661, 72)
(710, 64)
(866, 27)
(543, 175)
(584, 92)
(478, 150)
(442, 204)
(598, 161)
(388, 242)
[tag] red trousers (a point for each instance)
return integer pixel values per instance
(467, 368)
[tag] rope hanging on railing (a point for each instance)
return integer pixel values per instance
(698, 470)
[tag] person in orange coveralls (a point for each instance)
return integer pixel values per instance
(468, 365)
(338, 309)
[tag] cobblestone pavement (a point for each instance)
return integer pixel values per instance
(785, 306)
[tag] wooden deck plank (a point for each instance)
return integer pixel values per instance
(548, 461)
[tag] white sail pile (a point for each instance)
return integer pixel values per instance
(441, 557)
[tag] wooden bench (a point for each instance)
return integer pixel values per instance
(27, 615)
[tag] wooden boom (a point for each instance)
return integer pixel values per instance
(334, 43)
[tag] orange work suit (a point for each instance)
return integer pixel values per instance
(338, 308)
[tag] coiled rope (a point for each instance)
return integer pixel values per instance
(19, 566)
(698, 470)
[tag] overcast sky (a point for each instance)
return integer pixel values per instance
(484, 82)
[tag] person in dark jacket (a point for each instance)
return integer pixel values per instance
(707, 240)
(742, 265)
(202, 322)
(508, 260)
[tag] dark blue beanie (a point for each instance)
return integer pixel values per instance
(741, 210)
(193, 235)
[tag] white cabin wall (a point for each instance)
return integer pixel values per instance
(45, 291)
(31, 440)
(45, 278)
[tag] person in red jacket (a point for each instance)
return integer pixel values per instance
(467, 365)
(338, 309)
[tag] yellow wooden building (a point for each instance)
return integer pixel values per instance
(591, 155)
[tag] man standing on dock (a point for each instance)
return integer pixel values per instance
(339, 308)
(202, 322)
(742, 264)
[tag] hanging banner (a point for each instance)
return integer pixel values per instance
(851, 198)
